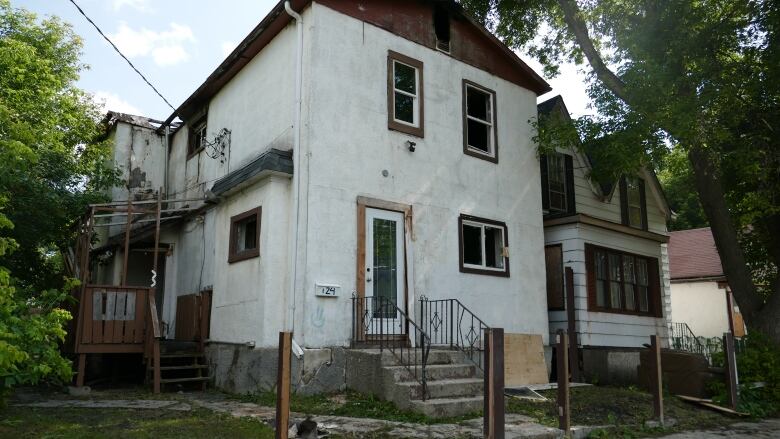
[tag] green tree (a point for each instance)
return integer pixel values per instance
(677, 180)
(51, 169)
(701, 75)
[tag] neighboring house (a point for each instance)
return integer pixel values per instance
(701, 297)
(402, 165)
(613, 236)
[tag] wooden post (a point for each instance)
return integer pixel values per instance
(732, 382)
(657, 379)
(156, 362)
(127, 240)
(562, 354)
(157, 235)
(494, 384)
(82, 367)
(574, 356)
(283, 385)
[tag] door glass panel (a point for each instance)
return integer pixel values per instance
(385, 267)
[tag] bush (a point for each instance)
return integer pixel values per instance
(30, 331)
(758, 363)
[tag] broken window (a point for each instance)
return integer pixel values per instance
(245, 235)
(405, 94)
(441, 25)
(479, 120)
(483, 245)
(197, 137)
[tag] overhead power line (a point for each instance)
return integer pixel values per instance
(122, 55)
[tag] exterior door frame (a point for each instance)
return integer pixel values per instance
(408, 235)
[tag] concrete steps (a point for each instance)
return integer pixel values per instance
(455, 386)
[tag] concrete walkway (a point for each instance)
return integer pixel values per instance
(765, 429)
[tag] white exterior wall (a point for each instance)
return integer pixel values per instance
(348, 145)
(702, 305)
(603, 328)
(141, 149)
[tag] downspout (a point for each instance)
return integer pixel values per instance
(290, 316)
(167, 158)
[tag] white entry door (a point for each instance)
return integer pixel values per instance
(385, 274)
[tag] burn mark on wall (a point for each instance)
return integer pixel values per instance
(136, 179)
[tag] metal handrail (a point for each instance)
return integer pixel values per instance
(450, 322)
(683, 338)
(377, 319)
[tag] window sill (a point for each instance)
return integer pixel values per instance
(496, 273)
(624, 312)
(238, 257)
(194, 153)
(480, 155)
(406, 129)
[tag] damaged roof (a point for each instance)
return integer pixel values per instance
(113, 117)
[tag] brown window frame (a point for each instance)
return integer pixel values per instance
(624, 206)
(494, 125)
(561, 295)
(233, 254)
(393, 124)
(200, 124)
(487, 222)
(654, 302)
(568, 182)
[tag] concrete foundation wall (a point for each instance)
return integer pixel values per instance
(242, 369)
(612, 366)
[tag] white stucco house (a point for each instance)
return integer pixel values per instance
(702, 304)
(613, 237)
(344, 151)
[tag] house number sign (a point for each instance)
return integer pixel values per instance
(327, 290)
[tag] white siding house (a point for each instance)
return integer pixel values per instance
(616, 252)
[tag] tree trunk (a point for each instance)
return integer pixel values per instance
(713, 202)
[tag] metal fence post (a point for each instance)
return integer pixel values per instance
(562, 355)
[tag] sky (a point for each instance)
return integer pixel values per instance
(176, 44)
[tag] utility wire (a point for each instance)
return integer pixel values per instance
(121, 54)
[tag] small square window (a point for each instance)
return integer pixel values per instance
(245, 235)
(483, 246)
(405, 94)
(479, 122)
(198, 133)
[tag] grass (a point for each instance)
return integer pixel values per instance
(354, 405)
(626, 409)
(67, 423)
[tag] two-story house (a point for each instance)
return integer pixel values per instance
(613, 236)
(353, 172)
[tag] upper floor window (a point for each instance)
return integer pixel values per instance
(483, 246)
(441, 26)
(245, 235)
(633, 204)
(479, 122)
(557, 172)
(197, 136)
(405, 94)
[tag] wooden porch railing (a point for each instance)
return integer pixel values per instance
(116, 319)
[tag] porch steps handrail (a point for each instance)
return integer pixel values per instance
(450, 322)
(152, 342)
(371, 322)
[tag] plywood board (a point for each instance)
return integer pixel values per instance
(524, 360)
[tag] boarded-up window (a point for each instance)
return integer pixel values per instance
(553, 256)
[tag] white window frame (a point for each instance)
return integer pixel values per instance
(415, 97)
(491, 152)
(483, 265)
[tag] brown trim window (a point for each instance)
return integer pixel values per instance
(479, 122)
(553, 259)
(633, 202)
(557, 172)
(622, 282)
(484, 246)
(405, 103)
(245, 235)
(197, 139)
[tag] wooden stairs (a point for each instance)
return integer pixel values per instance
(182, 364)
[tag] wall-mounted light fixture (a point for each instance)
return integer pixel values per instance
(411, 145)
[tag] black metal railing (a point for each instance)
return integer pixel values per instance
(682, 338)
(379, 321)
(449, 323)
